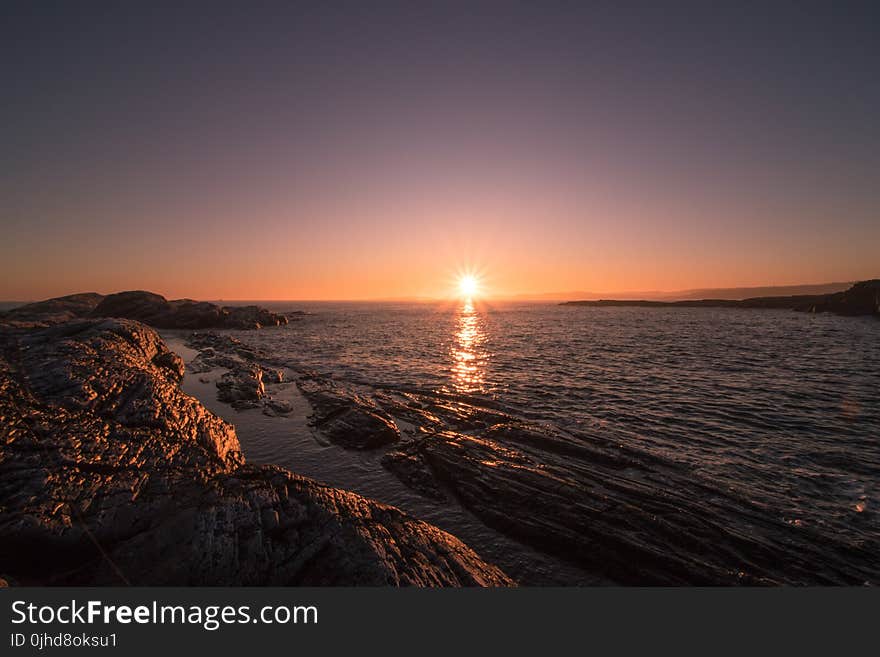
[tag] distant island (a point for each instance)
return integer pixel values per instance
(862, 298)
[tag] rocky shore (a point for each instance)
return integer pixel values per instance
(861, 299)
(629, 516)
(618, 513)
(109, 474)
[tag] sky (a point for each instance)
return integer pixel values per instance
(377, 150)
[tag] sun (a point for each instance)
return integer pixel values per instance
(468, 285)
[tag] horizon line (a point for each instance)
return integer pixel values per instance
(521, 296)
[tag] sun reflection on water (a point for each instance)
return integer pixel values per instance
(468, 357)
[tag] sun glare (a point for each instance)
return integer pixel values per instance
(468, 285)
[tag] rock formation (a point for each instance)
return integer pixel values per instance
(109, 474)
(53, 311)
(347, 418)
(155, 310)
(146, 307)
(625, 515)
(243, 385)
(339, 414)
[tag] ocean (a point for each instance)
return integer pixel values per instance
(763, 425)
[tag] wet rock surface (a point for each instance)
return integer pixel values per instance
(410, 466)
(109, 474)
(626, 515)
(244, 383)
(277, 407)
(347, 418)
(219, 350)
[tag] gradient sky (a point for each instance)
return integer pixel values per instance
(364, 150)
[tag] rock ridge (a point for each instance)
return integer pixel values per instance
(147, 307)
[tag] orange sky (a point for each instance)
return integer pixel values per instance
(305, 260)
(573, 149)
(356, 245)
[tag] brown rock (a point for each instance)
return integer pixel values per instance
(347, 418)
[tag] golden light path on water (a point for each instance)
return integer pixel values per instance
(468, 373)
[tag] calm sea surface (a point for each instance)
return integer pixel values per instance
(781, 407)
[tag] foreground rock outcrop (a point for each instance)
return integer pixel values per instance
(109, 474)
(146, 307)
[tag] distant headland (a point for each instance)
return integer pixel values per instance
(862, 298)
